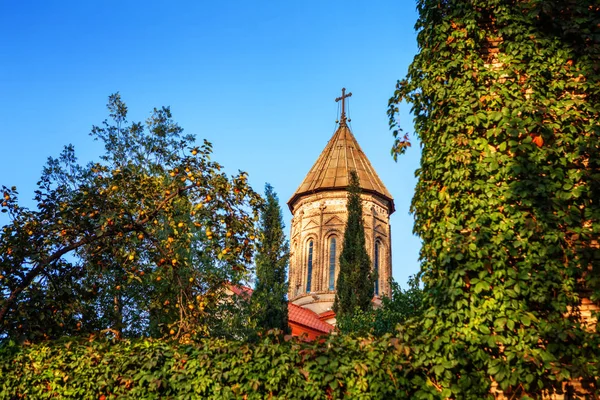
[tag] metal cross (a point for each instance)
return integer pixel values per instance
(343, 99)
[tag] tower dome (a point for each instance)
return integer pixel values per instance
(319, 217)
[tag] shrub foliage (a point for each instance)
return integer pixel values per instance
(402, 307)
(211, 369)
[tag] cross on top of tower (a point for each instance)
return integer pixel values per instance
(343, 99)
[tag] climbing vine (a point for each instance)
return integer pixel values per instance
(506, 100)
(93, 368)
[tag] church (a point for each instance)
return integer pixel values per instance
(319, 216)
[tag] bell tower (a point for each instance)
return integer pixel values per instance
(319, 219)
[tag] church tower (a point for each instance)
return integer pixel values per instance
(319, 219)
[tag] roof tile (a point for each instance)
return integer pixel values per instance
(296, 314)
(307, 318)
(341, 155)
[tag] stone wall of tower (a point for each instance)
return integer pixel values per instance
(321, 217)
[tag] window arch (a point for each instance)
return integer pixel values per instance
(332, 261)
(309, 265)
(377, 260)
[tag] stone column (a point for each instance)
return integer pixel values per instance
(388, 255)
(321, 264)
(300, 284)
(373, 241)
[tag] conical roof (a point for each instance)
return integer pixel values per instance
(332, 169)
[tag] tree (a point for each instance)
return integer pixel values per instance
(140, 243)
(270, 294)
(403, 307)
(506, 104)
(355, 283)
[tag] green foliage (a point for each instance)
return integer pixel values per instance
(506, 101)
(403, 307)
(339, 367)
(140, 243)
(270, 294)
(355, 282)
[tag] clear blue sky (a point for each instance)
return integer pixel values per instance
(256, 78)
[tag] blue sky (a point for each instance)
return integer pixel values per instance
(256, 78)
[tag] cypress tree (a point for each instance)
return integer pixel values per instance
(270, 294)
(354, 289)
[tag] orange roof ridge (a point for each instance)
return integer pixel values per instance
(296, 314)
(331, 171)
(308, 318)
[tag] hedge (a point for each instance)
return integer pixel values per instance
(79, 368)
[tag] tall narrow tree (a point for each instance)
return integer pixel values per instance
(355, 281)
(270, 294)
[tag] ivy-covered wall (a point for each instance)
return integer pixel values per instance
(506, 99)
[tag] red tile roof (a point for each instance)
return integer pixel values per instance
(326, 315)
(241, 290)
(308, 318)
(296, 314)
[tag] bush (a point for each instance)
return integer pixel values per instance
(337, 367)
(403, 307)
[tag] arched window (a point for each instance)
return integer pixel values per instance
(376, 267)
(332, 257)
(309, 266)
